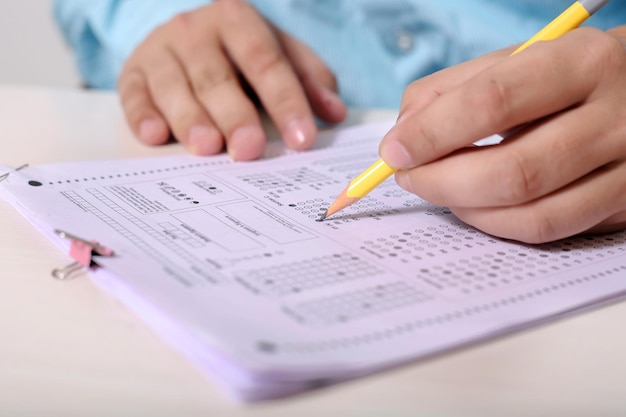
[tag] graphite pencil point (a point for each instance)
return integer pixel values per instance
(341, 202)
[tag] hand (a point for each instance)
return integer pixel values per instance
(561, 175)
(190, 78)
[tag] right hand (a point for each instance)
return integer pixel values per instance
(191, 76)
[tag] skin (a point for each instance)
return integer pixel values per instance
(186, 80)
(563, 174)
(203, 77)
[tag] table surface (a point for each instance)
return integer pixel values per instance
(68, 348)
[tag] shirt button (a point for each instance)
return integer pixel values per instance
(404, 40)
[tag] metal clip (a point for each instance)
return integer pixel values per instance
(6, 175)
(82, 251)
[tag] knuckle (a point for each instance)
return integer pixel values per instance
(130, 79)
(231, 9)
(282, 100)
(231, 4)
(283, 104)
(602, 52)
(131, 87)
(603, 43)
(164, 78)
(517, 180)
(177, 27)
(324, 75)
(429, 140)
(263, 59)
(205, 80)
(190, 27)
(419, 95)
(409, 92)
(225, 5)
(331, 80)
(542, 228)
(613, 54)
(135, 112)
(181, 22)
(493, 100)
(428, 136)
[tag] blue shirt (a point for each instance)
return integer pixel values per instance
(375, 47)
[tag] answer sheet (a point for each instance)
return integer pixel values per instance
(229, 263)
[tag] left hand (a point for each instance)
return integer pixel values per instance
(564, 174)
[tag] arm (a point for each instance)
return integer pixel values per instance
(103, 33)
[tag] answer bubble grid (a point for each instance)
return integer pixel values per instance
(269, 182)
(300, 276)
(367, 207)
(425, 243)
(312, 208)
(425, 323)
(311, 178)
(486, 272)
(277, 184)
(354, 305)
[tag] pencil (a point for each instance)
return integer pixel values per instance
(379, 171)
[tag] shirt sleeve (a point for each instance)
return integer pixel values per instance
(103, 33)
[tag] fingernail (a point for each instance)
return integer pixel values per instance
(151, 130)
(246, 143)
(204, 140)
(300, 134)
(395, 154)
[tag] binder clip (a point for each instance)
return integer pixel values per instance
(6, 175)
(82, 251)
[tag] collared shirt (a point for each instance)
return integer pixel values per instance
(375, 47)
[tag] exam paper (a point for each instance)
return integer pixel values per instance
(228, 262)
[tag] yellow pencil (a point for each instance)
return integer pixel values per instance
(379, 171)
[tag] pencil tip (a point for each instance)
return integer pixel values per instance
(323, 216)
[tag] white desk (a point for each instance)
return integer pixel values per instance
(69, 349)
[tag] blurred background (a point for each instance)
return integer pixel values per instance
(32, 50)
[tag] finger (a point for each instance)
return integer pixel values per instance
(611, 224)
(502, 96)
(536, 162)
(215, 84)
(258, 55)
(581, 206)
(170, 91)
(420, 93)
(319, 83)
(142, 115)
